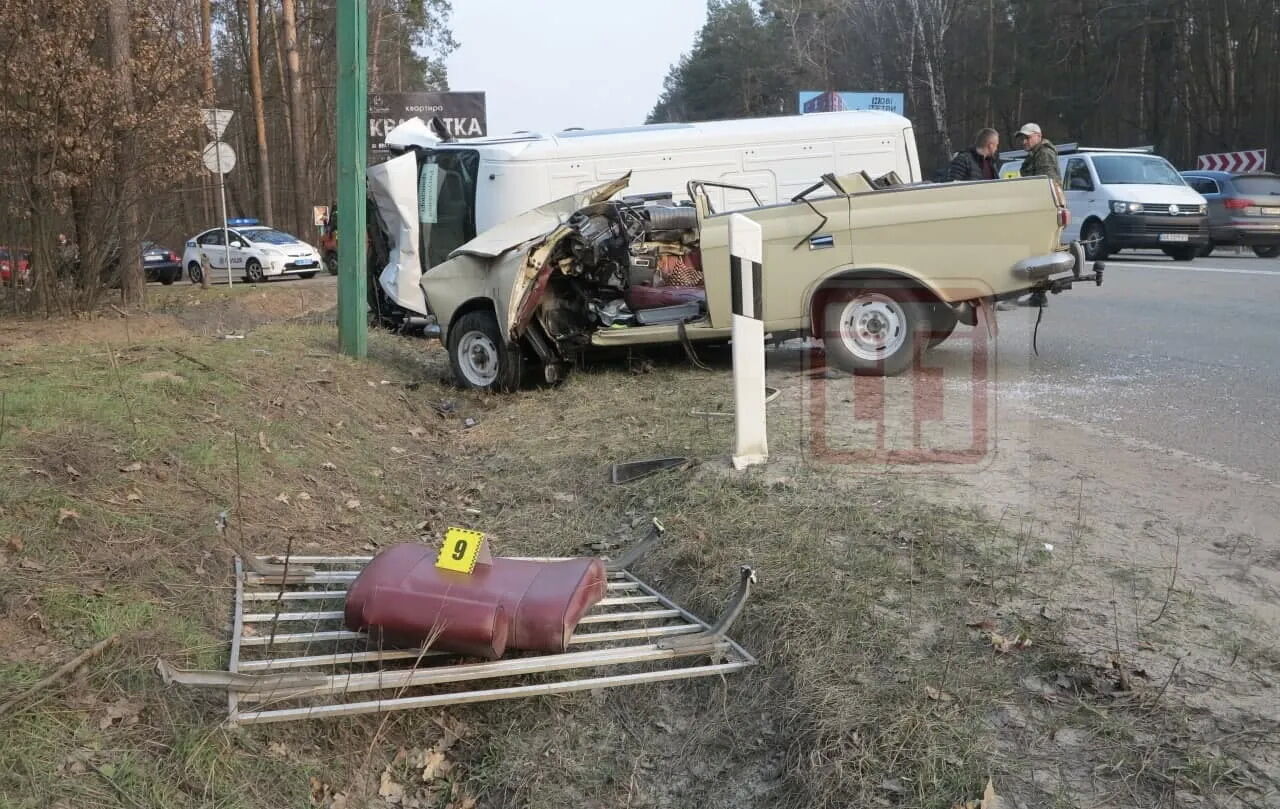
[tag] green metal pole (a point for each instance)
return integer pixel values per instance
(353, 91)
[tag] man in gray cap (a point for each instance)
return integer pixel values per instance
(1041, 161)
(1042, 156)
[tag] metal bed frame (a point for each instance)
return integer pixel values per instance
(291, 657)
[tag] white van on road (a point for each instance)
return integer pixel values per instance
(1128, 198)
(468, 187)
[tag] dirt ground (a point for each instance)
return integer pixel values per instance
(1083, 620)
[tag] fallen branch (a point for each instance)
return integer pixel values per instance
(63, 671)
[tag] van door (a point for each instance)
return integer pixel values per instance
(1081, 190)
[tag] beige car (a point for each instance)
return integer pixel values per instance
(876, 269)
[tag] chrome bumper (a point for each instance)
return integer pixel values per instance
(1038, 268)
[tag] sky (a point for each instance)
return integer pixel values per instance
(550, 64)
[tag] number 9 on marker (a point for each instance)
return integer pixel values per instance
(460, 549)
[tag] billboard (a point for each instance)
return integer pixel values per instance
(463, 114)
(832, 101)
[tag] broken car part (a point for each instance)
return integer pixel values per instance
(518, 603)
(360, 676)
(634, 470)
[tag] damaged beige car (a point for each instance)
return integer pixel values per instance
(875, 269)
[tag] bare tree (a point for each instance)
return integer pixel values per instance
(259, 106)
(301, 162)
(128, 251)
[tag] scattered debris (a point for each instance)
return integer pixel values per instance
(446, 407)
(634, 470)
(65, 514)
(133, 467)
(262, 442)
(990, 800)
(63, 671)
(329, 466)
(469, 422)
(937, 695)
(72, 471)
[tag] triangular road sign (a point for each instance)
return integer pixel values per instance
(216, 121)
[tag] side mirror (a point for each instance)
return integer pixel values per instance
(1080, 184)
(237, 243)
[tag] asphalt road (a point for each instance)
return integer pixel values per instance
(1179, 355)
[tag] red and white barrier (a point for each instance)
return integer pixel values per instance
(1250, 160)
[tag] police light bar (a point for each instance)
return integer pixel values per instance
(241, 222)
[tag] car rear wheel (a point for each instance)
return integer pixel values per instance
(480, 358)
(331, 262)
(1187, 253)
(194, 272)
(253, 271)
(1094, 238)
(1269, 251)
(874, 331)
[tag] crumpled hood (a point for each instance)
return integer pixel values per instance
(538, 222)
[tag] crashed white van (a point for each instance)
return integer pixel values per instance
(467, 187)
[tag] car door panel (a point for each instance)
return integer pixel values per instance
(801, 243)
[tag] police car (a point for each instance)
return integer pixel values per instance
(255, 253)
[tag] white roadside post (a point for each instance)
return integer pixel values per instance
(220, 159)
(746, 251)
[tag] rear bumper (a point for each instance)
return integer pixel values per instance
(1147, 230)
(1038, 268)
(1247, 232)
(162, 272)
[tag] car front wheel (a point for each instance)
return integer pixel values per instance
(480, 358)
(1094, 239)
(1269, 251)
(331, 262)
(253, 271)
(874, 332)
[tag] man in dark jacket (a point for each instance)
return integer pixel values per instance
(978, 162)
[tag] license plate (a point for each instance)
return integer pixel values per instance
(1173, 237)
(1271, 211)
(304, 264)
(155, 258)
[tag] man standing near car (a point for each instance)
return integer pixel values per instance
(1041, 161)
(1042, 156)
(978, 162)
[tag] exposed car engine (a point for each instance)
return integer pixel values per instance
(633, 261)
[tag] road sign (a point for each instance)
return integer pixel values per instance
(216, 121)
(319, 215)
(1250, 160)
(816, 101)
(219, 158)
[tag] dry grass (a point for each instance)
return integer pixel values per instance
(871, 690)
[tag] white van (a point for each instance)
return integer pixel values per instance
(1129, 198)
(480, 183)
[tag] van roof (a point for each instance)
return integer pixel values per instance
(650, 137)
